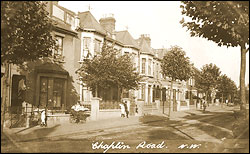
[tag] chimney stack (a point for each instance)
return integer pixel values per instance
(145, 37)
(108, 23)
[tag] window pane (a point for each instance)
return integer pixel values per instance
(97, 45)
(43, 92)
(44, 85)
(59, 43)
(57, 12)
(86, 42)
(58, 92)
(142, 92)
(143, 65)
(149, 67)
(153, 69)
(70, 20)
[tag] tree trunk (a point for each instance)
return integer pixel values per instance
(170, 97)
(118, 93)
(5, 94)
(121, 94)
(96, 90)
(206, 96)
(222, 100)
(242, 78)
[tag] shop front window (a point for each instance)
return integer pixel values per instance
(51, 92)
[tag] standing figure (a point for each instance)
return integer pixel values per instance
(136, 109)
(43, 118)
(227, 102)
(126, 108)
(204, 105)
(122, 110)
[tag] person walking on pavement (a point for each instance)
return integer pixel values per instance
(43, 118)
(126, 108)
(122, 106)
(136, 109)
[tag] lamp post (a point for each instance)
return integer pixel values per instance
(190, 83)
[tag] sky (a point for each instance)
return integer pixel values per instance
(160, 19)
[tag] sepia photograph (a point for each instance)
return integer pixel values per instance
(124, 76)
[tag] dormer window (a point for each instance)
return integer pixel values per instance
(70, 20)
(77, 22)
(57, 12)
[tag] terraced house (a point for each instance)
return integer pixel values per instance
(81, 36)
(146, 59)
(49, 83)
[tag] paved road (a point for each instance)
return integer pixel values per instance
(211, 132)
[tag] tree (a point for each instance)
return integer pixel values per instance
(247, 93)
(107, 70)
(209, 78)
(198, 79)
(223, 22)
(25, 36)
(176, 66)
(226, 87)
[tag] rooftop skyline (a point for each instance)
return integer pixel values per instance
(160, 20)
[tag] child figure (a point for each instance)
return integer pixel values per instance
(43, 118)
(122, 110)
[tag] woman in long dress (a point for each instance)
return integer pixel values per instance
(122, 110)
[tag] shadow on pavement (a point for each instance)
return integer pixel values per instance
(216, 124)
(7, 146)
(221, 125)
(162, 132)
(37, 133)
(26, 129)
(157, 121)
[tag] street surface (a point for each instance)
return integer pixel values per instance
(195, 132)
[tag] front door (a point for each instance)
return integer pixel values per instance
(17, 92)
(51, 92)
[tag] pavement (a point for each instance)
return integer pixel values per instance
(37, 132)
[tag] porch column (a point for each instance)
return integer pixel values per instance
(146, 93)
(94, 108)
(151, 94)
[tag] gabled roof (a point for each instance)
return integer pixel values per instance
(159, 53)
(88, 21)
(125, 38)
(145, 48)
